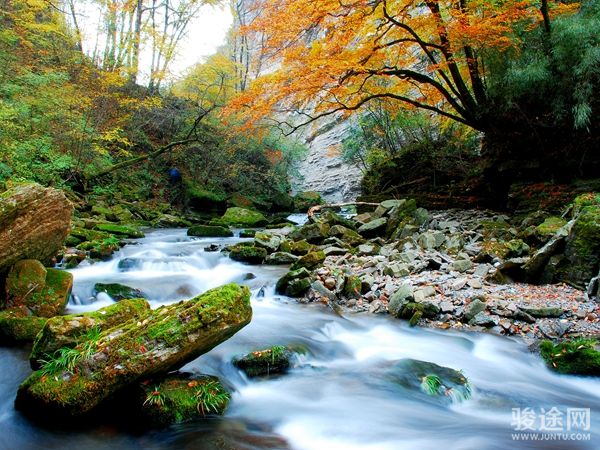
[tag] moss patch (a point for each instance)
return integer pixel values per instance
(209, 231)
(121, 230)
(17, 326)
(578, 357)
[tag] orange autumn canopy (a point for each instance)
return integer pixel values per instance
(335, 55)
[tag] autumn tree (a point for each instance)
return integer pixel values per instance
(438, 56)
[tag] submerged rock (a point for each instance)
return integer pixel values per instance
(167, 339)
(73, 329)
(442, 383)
(268, 361)
(118, 291)
(34, 223)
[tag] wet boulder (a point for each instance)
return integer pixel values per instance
(247, 253)
(240, 217)
(73, 329)
(209, 231)
(171, 336)
(436, 382)
(309, 261)
(273, 360)
(18, 326)
(118, 291)
(179, 398)
(294, 283)
(43, 291)
(34, 223)
(280, 258)
(268, 241)
(314, 233)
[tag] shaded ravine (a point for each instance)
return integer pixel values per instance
(339, 395)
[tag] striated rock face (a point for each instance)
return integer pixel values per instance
(168, 338)
(34, 223)
(323, 169)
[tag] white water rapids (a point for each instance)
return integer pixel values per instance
(339, 394)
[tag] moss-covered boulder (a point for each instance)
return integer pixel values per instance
(281, 258)
(120, 230)
(73, 329)
(309, 261)
(331, 218)
(297, 248)
(34, 223)
(374, 228)
(549, 227)
(18, 326)
(314, 233)
(92, 372)
(241, 217)
(43, 296)
(305, 200)
(247, 253)
(346, 235)
(180, 398)
(118, 291)
(202, 199)
(294, 283)
(577, 357)
(434, 381)
(582, 250)
(269, 361)
(268, 241)
(247, 233)
(209, 231)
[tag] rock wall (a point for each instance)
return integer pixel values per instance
(323, 169)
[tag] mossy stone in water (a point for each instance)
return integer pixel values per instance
(309, 261)
(284, 281)
(121, 230)
(24, 279)
(269, 361)
(168, 338)
(247, 254)
(179, 398)
(209, 231)
(118, 291)
(241, 217)
(577, 357)
(73, 329)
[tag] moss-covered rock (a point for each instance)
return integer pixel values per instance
(120, 230)
(118, 291)
(209, 231)
(549, 227)
(297, 248)
(18, 326)
(179, 398)
(43, 296)
(268, 241)
(314, 233)
(25, 278)
(437, 382)
(73, 329)
(132, 352)
(280, 258)
(34, 223)
(331, 218)
(582, 250)
(578, 357)
(292, 283)
(374, 228)
(247, 253)
(346, 235)
(269, 361)
(309, 261)
(241, 217)
(247, 233)
(202, 199)
(352, 287)
(305, 200)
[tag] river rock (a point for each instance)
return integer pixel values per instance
(578, 357)
(270, 242)
(247, 253)
(209, 231)
(73, 329)
(118, 291)
(167, 339)
(120, 230)
(240, 217)
(437, 382)
(280, 258)
(313, 233)
(399, 299)
(309, 261)
(373, 228)
(44, 292)
(18, 326)
(472, 309)
(34, 223)
(269, 361)
(284, 282)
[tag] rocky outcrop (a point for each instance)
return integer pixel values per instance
(34, 223)
(87, 375)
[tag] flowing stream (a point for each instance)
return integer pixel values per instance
(339, 395)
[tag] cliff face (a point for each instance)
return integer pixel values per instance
(323, 169)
